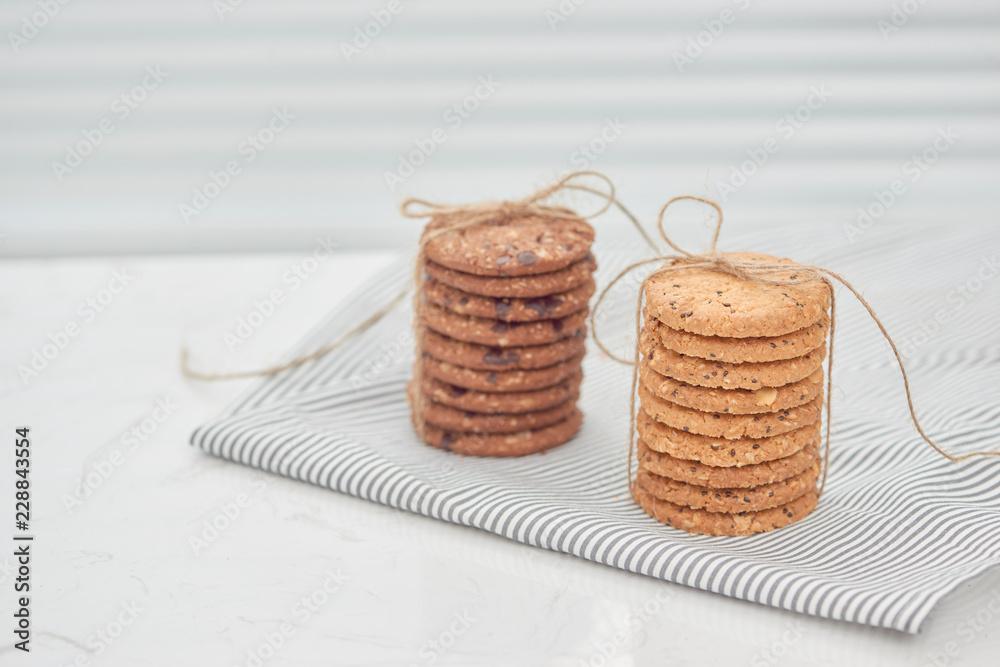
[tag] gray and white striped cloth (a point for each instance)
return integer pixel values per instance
(897, 528)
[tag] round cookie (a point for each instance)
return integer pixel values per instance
(729, 426)
(740, 350)
(522, 287)
(523, 246)
(732, 401)
(730, 500)
(726, 375)
(709, 303)
(491, 358)
(719, 523)
(451, 419)
(509, 309)
(502, 403)
(497, 332)
(716, 477)
(722, 452)
(504, 444)
(502, 381)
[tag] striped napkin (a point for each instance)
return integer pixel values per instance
(897, 528)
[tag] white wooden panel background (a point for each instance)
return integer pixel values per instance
(611, 59)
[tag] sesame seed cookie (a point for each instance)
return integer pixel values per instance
(718, 451)
(490, 358)
(721, 523)
(497, 332)
(726, 375)
(740, 350)
(705, 302)
(502, 381)
(521, 287)
(509, 309)
(502, 403)
(700, 474)
(738, 499)
(732, 401)
(504, 444)
(520, 247)
(729, 426)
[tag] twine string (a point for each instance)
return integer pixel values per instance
(449, 218)
(452, 218)
(766, 273)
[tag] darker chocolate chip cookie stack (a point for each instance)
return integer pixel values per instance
(501, 334)
(731, 393)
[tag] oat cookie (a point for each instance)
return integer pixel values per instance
(502, 381)
(720, 523)
(732, 401)
(719, 451)
(726, 375)
(730, 500)
(497, 332)
(493, 358)
(708, 303)
(701, 474)
(520, 247)
(504, 444)
(729, 426)
(502, 403)
(521, 287)
(740, 350)
(506, 308)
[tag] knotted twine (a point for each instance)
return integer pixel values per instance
(448, 219)
(713, 260)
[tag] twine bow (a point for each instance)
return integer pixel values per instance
(447, 219)
(767, 273)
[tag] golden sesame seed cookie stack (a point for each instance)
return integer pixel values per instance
(731, 395)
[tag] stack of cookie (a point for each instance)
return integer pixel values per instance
(731, 394)
(502, 323)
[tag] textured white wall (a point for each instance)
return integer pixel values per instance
(675, 126)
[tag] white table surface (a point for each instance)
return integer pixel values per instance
(404, 589)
